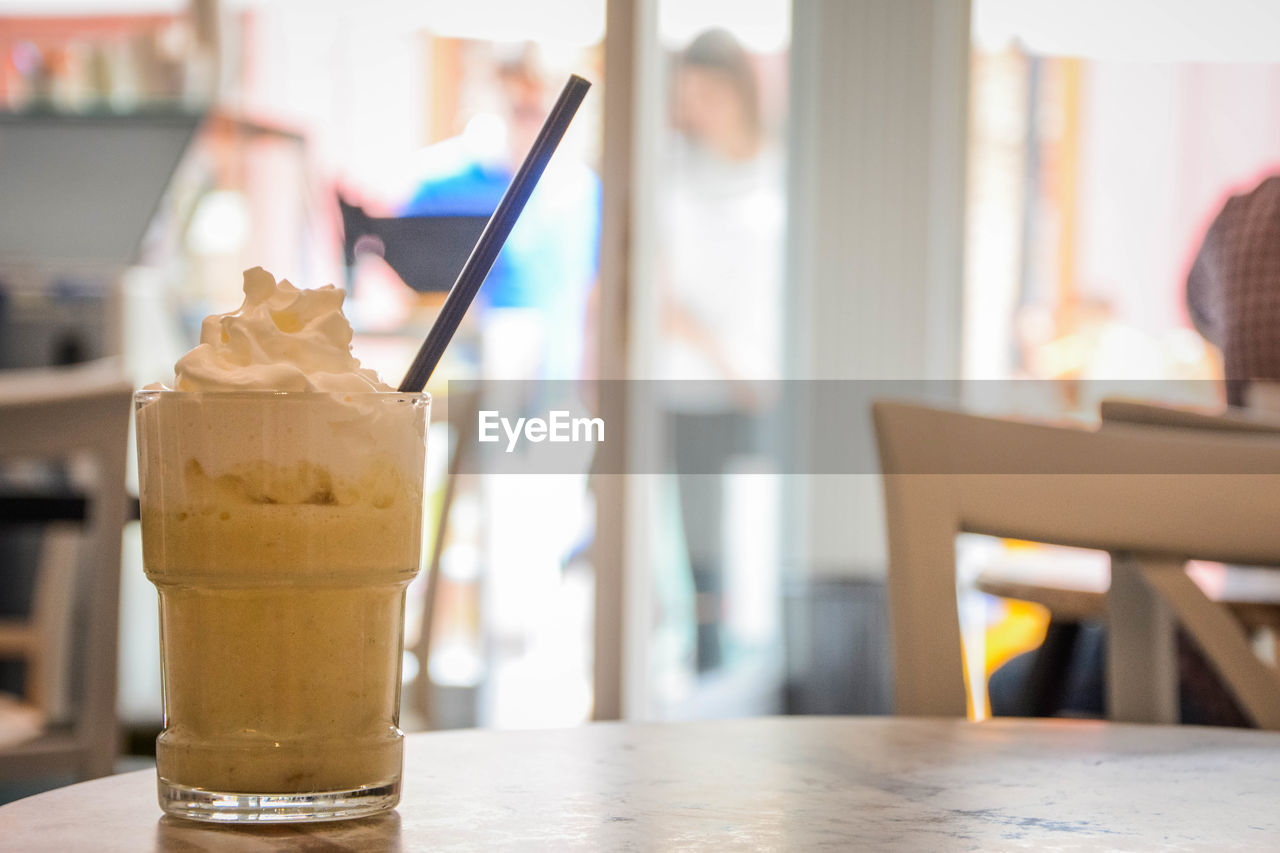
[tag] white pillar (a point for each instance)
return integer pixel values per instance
(879, 106)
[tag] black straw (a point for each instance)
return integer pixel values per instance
(495, 235)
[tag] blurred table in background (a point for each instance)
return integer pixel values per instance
(1072, 584)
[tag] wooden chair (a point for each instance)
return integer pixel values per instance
(1153, 498)
(77, 417)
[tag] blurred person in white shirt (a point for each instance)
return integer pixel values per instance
(722, 215)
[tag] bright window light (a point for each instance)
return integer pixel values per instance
(1132, 30)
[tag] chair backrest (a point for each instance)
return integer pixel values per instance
(1174, 493)
(80, 416)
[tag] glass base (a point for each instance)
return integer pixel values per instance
(219, 807)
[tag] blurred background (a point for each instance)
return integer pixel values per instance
(761, 189)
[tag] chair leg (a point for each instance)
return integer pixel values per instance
(1142, 660)
(1221, 639)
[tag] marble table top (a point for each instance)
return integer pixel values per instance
(798, 783)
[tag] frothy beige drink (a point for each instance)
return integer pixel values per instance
(281, 507)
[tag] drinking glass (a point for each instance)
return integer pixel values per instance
(281, 530)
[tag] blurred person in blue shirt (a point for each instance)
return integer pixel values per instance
(533, 305)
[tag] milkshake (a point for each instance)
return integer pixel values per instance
(281, 488)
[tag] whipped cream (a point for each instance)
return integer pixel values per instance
(280, 339)
(336, 444)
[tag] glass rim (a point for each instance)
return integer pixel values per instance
(262, 394)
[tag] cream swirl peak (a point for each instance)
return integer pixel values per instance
(279, 339)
